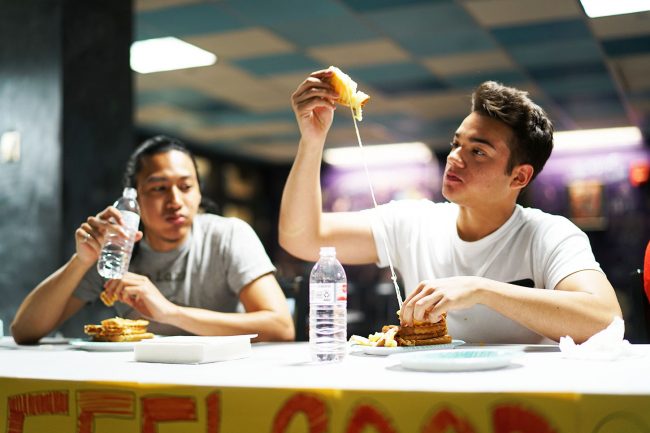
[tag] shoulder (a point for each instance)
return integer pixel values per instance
(212, 222)
(548, 226)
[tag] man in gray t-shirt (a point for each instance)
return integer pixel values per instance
(189, 273)
(218, 258)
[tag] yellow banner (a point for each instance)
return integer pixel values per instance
(39, 406)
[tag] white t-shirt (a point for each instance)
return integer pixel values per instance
(532, 248)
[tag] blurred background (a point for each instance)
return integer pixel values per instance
(81, 85)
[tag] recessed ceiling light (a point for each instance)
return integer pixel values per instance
(167, 54)
(604, 8)
(591, 139)
(380, 154)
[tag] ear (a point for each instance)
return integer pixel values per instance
(521, 176)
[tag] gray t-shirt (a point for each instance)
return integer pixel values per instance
(209, 270)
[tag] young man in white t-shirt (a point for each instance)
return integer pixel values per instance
(501, 272)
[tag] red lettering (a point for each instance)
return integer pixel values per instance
(166, 409)
(93, 403)
(213, 405)
(34, 404)
(311, 406)
(366, 415)
(446, 421)
(516, 419)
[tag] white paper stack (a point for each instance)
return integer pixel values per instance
(194, 349)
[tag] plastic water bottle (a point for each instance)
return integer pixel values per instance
(328, 295)
(116, 253)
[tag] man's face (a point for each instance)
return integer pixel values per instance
(169, 197)
(475, 174)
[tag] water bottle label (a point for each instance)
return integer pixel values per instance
(341, 292)
(131, 219)
(328, 293)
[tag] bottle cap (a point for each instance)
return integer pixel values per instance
(327, 251)
(130, 193)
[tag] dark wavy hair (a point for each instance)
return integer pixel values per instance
(162, 144)
(533, 130)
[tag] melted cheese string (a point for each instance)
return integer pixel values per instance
(374, 201)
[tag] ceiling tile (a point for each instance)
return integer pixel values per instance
(278, 64)
(627, 46)
(359, 53)
(164, 115)
(494, 13)
(373, 5)
(564, 52)
(541, 33)
(618, 26)
(241, 44)
(509, 77)
(187, 20)
(277, 12)
(281, 152)
(436, 104)
(233, 85)
(148, 5)
(468, 62)
(389, 73)
(325, 30)
(241, 132)
(635, 71)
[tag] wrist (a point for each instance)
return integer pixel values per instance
(77, 261)
(483, 289)
(174, 315)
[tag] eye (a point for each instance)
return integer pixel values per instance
(158, 188)
(185, 187)
(453, 144)
(479, 152)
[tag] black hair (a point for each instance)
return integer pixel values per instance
(533, 130)
(162, 144)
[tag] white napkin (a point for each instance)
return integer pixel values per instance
(606, 345)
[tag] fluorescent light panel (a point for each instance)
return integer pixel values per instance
(167, 54)
(591, 139)
(604, 8)
(379, 154)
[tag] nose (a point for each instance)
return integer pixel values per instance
(174, 198)
(455, 158)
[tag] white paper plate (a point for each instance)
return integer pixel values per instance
(385, 351)
(458, 360)
(104, 346)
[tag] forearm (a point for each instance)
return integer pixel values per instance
(552, 313)
(269, 325)
(43, 309)
(301, 205)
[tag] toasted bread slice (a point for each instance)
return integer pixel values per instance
(445, 339)
(109, 301)
(347, 90)
(123, 337)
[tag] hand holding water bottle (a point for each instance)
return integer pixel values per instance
(91, 235)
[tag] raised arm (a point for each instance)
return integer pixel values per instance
(52, 302)
(303, 227)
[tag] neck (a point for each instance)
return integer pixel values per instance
(162, 245)
(474, 224)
